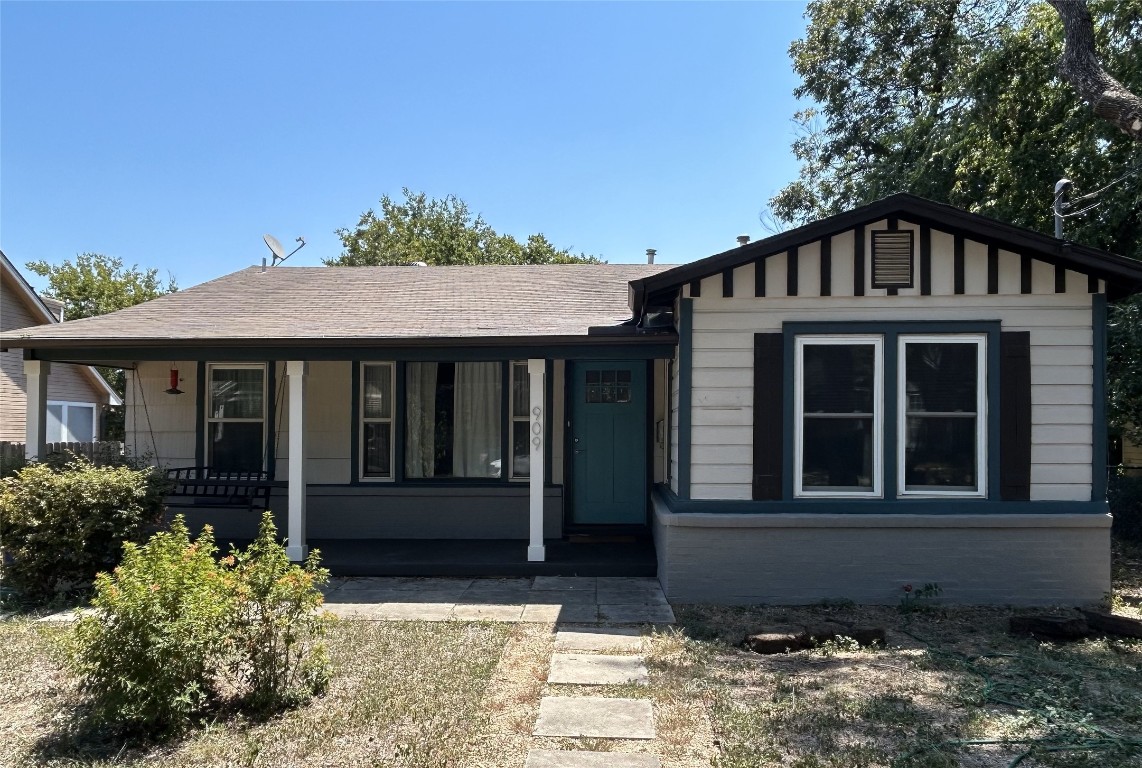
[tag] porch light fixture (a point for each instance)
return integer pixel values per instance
(174, 390)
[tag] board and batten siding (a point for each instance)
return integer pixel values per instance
(161, 427)
(1062, 357)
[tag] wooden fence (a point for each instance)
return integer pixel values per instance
(102, 452)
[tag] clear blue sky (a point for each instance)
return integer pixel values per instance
(173, 135)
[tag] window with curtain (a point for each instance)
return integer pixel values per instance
(452, 420)
(236, 417)
(377, 420)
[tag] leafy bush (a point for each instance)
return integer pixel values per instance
(176, 631)
(148, 656)
(63, 525)
(277, 625)
(1125, 496)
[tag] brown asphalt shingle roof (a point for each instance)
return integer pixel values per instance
(366, 303)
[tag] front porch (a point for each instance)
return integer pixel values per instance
(502, 558)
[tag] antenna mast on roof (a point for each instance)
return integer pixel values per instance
(279, 252)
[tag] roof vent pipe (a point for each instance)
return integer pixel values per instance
(650, 252)
(743, 239)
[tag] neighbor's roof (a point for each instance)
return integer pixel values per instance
(49, 311)
(364, 304)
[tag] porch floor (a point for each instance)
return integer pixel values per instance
(485, 557)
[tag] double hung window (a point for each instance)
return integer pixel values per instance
(914, 404)
(377, 420)
(236, 417)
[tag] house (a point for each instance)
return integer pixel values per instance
(76, 398)
(902, 394)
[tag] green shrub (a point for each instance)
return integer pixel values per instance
(149, 654)
(62, 526)
(176, 631)
(1125, 496)
(278, 627)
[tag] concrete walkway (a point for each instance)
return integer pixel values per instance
(546, 599)
(604, 657)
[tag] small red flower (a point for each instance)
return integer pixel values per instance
(907, 587)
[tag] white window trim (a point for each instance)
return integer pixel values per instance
(512, 419)
(877, 342)
(981, 422)
(211, 419)
(361, 458)
(63, 418)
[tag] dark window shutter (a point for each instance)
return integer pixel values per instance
(768, 415)
(1015, 415)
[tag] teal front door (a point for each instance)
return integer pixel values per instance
(608, 442)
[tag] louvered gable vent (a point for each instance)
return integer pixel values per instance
(892, 259)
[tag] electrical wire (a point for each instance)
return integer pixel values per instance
(1119, 180)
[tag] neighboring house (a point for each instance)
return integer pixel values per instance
(902, 394)
(76, 397)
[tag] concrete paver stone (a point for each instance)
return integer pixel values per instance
(598, 639)
(627, 613)
(596, 669)
(482, 612)
(546, 758)
(595, 717)
(564, 582)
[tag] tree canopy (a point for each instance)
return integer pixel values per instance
(95, 284)
(960, 101)
(439, 233)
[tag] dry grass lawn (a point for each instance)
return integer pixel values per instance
(951, 689)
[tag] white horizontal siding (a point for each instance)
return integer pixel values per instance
(1061, 373)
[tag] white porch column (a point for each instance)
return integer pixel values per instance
(535, 550)
(36, 416)
(296, 547)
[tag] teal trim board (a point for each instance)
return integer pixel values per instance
(1099, 434)
(877, 506)
(685, 396)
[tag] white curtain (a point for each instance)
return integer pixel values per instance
(476, 432)
(420, 441)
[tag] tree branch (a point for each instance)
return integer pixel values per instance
(1079, 66)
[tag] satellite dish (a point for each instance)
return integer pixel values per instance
(275, 246)
(278, 251)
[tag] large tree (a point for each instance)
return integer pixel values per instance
(962, 101)
(439, 233)
(95, 284)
